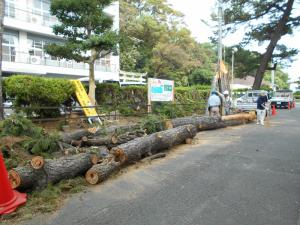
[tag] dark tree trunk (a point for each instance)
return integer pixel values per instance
(53, 171)
(101, 172)
(275, 37)
(66, 167)
(112, 141)
(76, 135)
(200, 122)
(2, 13)
(24, 178)
(144, 146)
(117, 129)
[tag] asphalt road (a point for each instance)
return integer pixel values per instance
(247, 175)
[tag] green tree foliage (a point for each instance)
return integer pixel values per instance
(246, 62)
(87, 31)
(266, 22)
(281, 79)
(154, 40)
(31, 92)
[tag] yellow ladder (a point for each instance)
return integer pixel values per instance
(85, 102)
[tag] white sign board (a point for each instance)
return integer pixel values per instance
(160, 90)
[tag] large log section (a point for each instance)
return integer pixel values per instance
(52, 171)
(141, 147)
(200, 122)
(101, 172)
(209, 123)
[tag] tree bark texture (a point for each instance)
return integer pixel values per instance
(92, 85)
(112, 141)
(138, 148)
(24, 178)
(117, 129)
(275, 37)
(53, 171)
(241, 116)
(200, 122)
(100, 172)
(76, 135)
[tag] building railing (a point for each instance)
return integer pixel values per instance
(134, 78)
(22, 57)
(31, 16)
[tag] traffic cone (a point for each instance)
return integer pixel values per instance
(273, 110)
(9, 198)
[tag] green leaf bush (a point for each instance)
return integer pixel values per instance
(29, 93)
(132, 100)
(152, 124)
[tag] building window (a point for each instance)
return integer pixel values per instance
(37, 48)
(41, 8)
(9, 44)
(10, 8)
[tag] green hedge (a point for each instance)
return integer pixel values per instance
(29, 93)
(33, 92)
(132, 100)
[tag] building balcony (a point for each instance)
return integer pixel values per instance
(30, 21)
(22, 62)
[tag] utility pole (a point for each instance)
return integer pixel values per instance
(220, 17)
(273, 78)
(232, 66)
(2, 12)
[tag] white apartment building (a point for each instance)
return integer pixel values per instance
(27, 29)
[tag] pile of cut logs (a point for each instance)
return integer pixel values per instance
(97, 153)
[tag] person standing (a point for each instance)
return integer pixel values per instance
(261, 108)
(214, 103)
(228, 103)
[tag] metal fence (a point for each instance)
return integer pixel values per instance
(111, 111)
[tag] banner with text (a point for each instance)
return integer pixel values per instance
(160, 90)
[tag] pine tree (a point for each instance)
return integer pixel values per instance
(87, 31)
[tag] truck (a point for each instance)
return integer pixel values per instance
(282, 99)
(248, 102)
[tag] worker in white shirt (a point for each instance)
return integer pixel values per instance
(228, 103)
(214, 103)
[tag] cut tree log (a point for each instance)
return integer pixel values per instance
(200, 122)
(117, 129)
(25, 177)
(53, 171)
(101, 172)
(76, 135)
(113, 140)
(241, 116)
(68, 167)
(37, 162)
(138, 148)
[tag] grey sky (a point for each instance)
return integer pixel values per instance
(197, 10)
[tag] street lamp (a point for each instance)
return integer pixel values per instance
(234, 50)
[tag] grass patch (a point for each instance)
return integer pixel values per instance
(45, 201)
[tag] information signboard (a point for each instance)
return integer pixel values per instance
(160, 90)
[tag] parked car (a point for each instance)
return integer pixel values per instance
(282, 99)
(8, 108)
(248, 101)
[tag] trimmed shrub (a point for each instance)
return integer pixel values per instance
(152, 124)
(132, 100)
(18, 125)
(29, 93)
